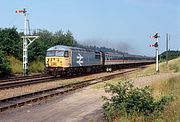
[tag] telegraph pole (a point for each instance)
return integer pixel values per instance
(27, 40)
(167, 39)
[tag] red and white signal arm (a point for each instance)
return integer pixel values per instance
(154, 45)
(20, 11)
(151, 45)
(155, 36)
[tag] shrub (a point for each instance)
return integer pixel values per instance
(36, 67)
(15, 64)
(4, 64)
(128, 101)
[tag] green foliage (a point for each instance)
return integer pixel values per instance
(15, 64)
(173, 66)
(10, 42)
(36, 66)
(4, 64)
(37, 49)
(11, 45)
(128, 101)
(171, 55)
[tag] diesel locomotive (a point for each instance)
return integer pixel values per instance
(61, 60)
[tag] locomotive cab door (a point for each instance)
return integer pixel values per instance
(67, 58)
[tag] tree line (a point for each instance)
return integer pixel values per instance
(169, 55)
(11, 45)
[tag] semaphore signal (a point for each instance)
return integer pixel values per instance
(27, 40)
(154, 45)
(156, 36)
(21, 11)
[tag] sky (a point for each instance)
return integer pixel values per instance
(121, 24)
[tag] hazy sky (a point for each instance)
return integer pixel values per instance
(122, 24)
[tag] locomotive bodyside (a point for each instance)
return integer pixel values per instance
(64, 59)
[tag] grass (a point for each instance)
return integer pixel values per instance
(173, 66)
(17, 67)
(15, 64)
(169, 86)
(36, 67)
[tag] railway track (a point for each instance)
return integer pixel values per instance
(22, 100)
(22, 82)
(20, 78)
(14, 83)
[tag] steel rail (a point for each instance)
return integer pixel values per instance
(21, 100)
(2, 80)
(13, 84)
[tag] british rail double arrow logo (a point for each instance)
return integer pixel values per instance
(79, 57)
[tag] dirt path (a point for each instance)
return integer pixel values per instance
(81, 106)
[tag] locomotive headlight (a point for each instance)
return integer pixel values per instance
(47, 65)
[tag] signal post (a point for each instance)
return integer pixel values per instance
(156, 36)
(27, 40)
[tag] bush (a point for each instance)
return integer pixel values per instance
(36, 67)
(128, 101)
(4, 64)
(15, 64)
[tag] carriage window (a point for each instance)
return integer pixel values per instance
(66, 54)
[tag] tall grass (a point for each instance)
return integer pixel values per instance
(16, 65)
(169, 86)
(172, 66)
(36, 67)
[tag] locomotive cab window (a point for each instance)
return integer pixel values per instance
(66, 54)
(50, 53)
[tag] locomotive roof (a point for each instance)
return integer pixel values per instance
(62, 47)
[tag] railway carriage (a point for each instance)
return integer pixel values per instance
(124, 60)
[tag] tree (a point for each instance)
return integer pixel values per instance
(37, 49)
(171, 54)
(4, 64)
(10, 42)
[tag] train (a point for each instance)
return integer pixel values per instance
(62, 60)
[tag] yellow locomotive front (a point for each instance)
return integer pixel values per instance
(57, 60)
